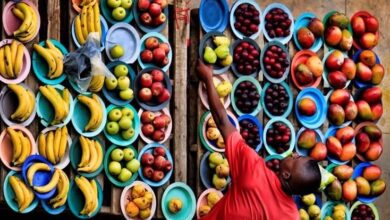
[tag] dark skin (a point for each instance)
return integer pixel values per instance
(289, 167)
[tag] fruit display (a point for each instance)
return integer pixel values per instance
(122, 122)
(24, 196)
(338, 190)
(90, 191)
(156, 164)
(369, 143)
(95, 108)
(246, 96)
(246, 55)
(338, 31)
(309, 208)
(369, 182)
(277, 99)
(151, 12)
(275, 61)
(308, 32)
(216, 50)
(306, 69)
(30, 21)
(87, 21)
(156, 51)
(119, 8)
(21, 146)
(122, 164)
(273, 163)
(12, 57)
(207, 201)
(340, 144)
(337, 211)
(365, 29)
(368, 68)
(221, 170)
(278, 23)
(369, 104)
(278, 136)
(364, 211)
(342, 109)
(53, 144)
(26, 102)
(60, 101)
(118, 89)
(247, 17)
(223, 86)
(339, 69)
(139, 202)
(310, 143)
(53, 57)
(155, 126)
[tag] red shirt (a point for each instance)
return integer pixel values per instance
(255, 191)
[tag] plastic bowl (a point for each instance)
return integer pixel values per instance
(167, 130)
(82, 115)
(212, 145)
(76, 5)
(161, 39)
(125, 196)
(75, 157)
(325, 21)
(326, 71)
(202, 200)
(41, 68)
(360, 126)
(152, 105)
(25, 67)
(305, 152)
(327, 209)
(275, 156)
(213, 15)
(107, 13)
(283, 40)
(148, 29)
(49, 209)
(104, 27)
(286, 72)
(203, 93)
(233, 66)
(117, 138)
(183, 192)
(328, 103)
(149, 149)
(363, 14)
(269, 125)
(9, 105)
(258, 124)
(316, 120)
(76, 200)
(355, 57)
(332, 132)
(299, 58)
(371, 205)
(107, 161)
(207, 40)
(9, 195)
(303, 20)
(290, 100)
(232, 19)
(206, 173)
(45, 110)
(301, 205)
(6, 147)
(357, 171)
(233, 97)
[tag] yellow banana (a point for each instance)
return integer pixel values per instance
(18, 60)
(31, 99)
(90, 19)
(32, 30)
(27, 21)
(51, 46)
(8, 61)
(22, 110)
(86, 189)
(84, 25)
(33, 169)
(26, 149)
(49, 147)
(92, 159)
(99, 152)
(57, 140)
(97, 83)
(18, 13)
(42, 145)
(50, 185)
(63, 142)
(66, 97)
(60, 101)
(48, 57)
(14, 48)
(59, 65)
(85, 153)
(16, 144)
(16, 187)
(3, 72)
(59, 111)
(94, 109)
(78, 30)
(96, 13)
(28, 196)
(100, 110)
(95, 196)
(62, 191)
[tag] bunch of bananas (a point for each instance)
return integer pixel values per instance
(60, 103)
(90, 192)
(53, 57)
(97, 83)
(11, 60)
(91, 156)
(87, 21)
(21, 146)
(28, 29)
(62, 191)
(52, 145)
(26, 102)
(96, 110)
(24, 196)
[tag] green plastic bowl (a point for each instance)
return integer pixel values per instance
(325, 21)
(371, 205)
(269, 125)
(107, 13)
(233, 97)
(107, 161)
(327, 209)
(183, 192)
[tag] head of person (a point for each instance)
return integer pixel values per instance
(299, 175)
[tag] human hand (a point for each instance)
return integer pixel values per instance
(204, 71)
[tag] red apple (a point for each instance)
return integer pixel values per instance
(157, 76)
(162, 3)
(159, 122)
(147, 159)
(147, 56)
(164, 96)
(151, 43)
(165, 46)
(148, 172)
(159, 151)
(143, 5)
(166, 118)
(168, 166)
(157, 175)
(157, 88)
(158, 55)
(159, 163)
(164, 62)
(147, 117)
(158, 135)
(145, 94)
(155, 9)
(146, 19)
(160, 19)
(147, 129)
(146, 80)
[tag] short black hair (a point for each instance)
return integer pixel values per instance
(312, 178)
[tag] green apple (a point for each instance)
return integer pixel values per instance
(126, 94)
(115, 115)
(127, 134)
(114, 3)
(112, 127)
(128, 154)
(121, 70)
(123, 82)
(126, 4)
(126, 112)
(133, 165)
(117, 51)
(124, 175)
(119, 13)
(114, 167)
(117, 154)
(111, 83)
(125, 123)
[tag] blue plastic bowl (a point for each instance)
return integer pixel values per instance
(258, 124)
(358, 171)
(233, 66)
(104, 26)
(107, 13)
(149, 149)
(270, 149)
(148, 29)
(113, 95)
(316, 120)
(162, 39)
(232, 19)
(290, 100)
(206, 173)
(275, 156)
(303, 20)
(358, 83)
(286, 72)
(300, 204)
(305, 152)
(326, 71)
(213, 15)
(283, 40)
(332, 132)
(49, 209)
(327, 209)
(346, 123)
(233, 97)
(183, 192)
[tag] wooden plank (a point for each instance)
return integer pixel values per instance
(53, 19)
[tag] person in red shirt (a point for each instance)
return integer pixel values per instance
(255, 191)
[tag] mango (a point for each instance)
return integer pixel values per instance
(349, 190)
(307, 139)
(334, 146)
(333, 36)
(319, 152)
(343, 172)
(363, 186)
(315, 66)
(368, 40)
(340, 97)
(351, 111)
(372, 24)
(368, 58)
(349, 68)
(377, 111)
(372, 95)
(132, 210)
(364, 110)
(377, 187)
(362, 142)
(363, 72)
(316, 26)
(339, 19)
(309, 199)
(307, 106)
(303, 75)
(378, 72)
(305, 37)
(314, 211)
(374, 151)
(333, 190)
(336, 114)
(346, 40)
(349, 152)
(209, 55)
(373, 131)
(303, 215)
(345, 134)
(337, 79)
(372, 173)
(358, 26)
(334, 60)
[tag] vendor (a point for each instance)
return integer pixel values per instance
(256, 192)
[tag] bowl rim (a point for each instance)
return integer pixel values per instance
(185, 188)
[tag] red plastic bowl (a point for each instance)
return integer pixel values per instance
(301, 57)
(363, 14)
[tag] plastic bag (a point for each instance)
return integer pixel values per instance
(86, 62)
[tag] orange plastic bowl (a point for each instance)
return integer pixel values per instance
(301, 57)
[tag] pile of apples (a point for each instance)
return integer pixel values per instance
(153, 88)
(277, 23)
(152, 12)
(121, 82)
(139, 202)
(306, 73)
(339, 188)
(341, 107)
(120, 8)
(212, 199)
(247, 19)
(155, 165)
(154, 125)
(155, 52)
(367, 70)
(369, 104)
(340, 69)
(307, 35)
(221, 166)
(365, 28)
(336, 33)
(123, 164)
(213, 134)
(370, 183)
(121, 120)
(368, 142)
(341, 145)
(310, 210)
(308, 140)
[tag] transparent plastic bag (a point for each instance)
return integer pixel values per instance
(85, 62)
